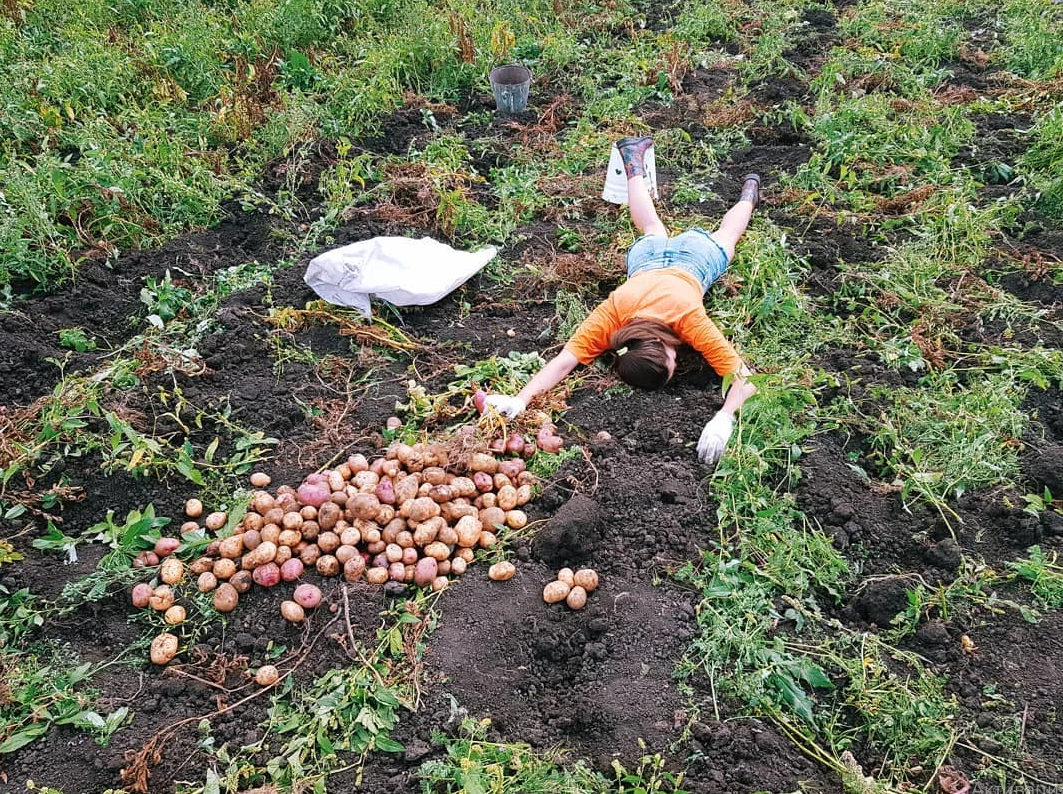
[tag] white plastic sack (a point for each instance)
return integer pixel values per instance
(400, 270)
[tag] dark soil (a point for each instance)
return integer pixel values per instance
(636, 506)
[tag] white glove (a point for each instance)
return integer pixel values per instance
(510, 407)
(715, 436)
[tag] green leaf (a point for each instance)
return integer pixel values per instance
(188, 469)
(387, 744)
(19, 740)
(213, 783)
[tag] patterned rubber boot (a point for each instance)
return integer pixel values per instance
(632, 150)
(750, 189)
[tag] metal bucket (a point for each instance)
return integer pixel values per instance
(510, 85)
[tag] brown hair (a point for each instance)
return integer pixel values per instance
(641, 359)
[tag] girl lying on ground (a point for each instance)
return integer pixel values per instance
(659, 307)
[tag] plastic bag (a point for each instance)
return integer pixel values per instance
(400, 270)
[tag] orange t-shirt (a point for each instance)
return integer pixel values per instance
(669, 295)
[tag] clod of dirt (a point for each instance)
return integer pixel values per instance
(933, 634)
(1052, 523)
(945, 555)
(883, 599)
(572, 534)
(1045, 468)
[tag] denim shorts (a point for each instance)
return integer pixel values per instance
(694, 251)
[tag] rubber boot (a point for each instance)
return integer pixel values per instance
(750, 189)
(632, 150)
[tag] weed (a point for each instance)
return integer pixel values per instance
(473, 763)
(1044, 161)
(76, 339)
(46, 688)
(1045, 575)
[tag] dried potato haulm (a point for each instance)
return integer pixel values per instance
(411, 517)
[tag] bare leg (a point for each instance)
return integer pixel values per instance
(640, 205)
(639, 202)
(734, 223)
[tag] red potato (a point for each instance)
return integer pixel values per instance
(385, 492)
(146, 559)
(548, 440)
(511, 469)
(313, 495)
(307, 596)
(479, 400)
(515, 443)
(426, 570)
(483, 482)
(164, 547)
(267, 575)
(291, 569)
(141, 595)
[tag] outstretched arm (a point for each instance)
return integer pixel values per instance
(549, 376)
(718, 431)
(545, 379)
(740, 391)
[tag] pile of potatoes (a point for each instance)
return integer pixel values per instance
(572, 587)
(404, 518)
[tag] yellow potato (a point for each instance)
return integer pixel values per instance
(163, 648)
(172, 570)
(267, 675)
(565, 575)
(555, 591)
(216, 520)
(576, 598)
(232, 547)
(501, 571)
(162, 598)
(586, 578)
(174, 615)
(225, 597)
(292, 612)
